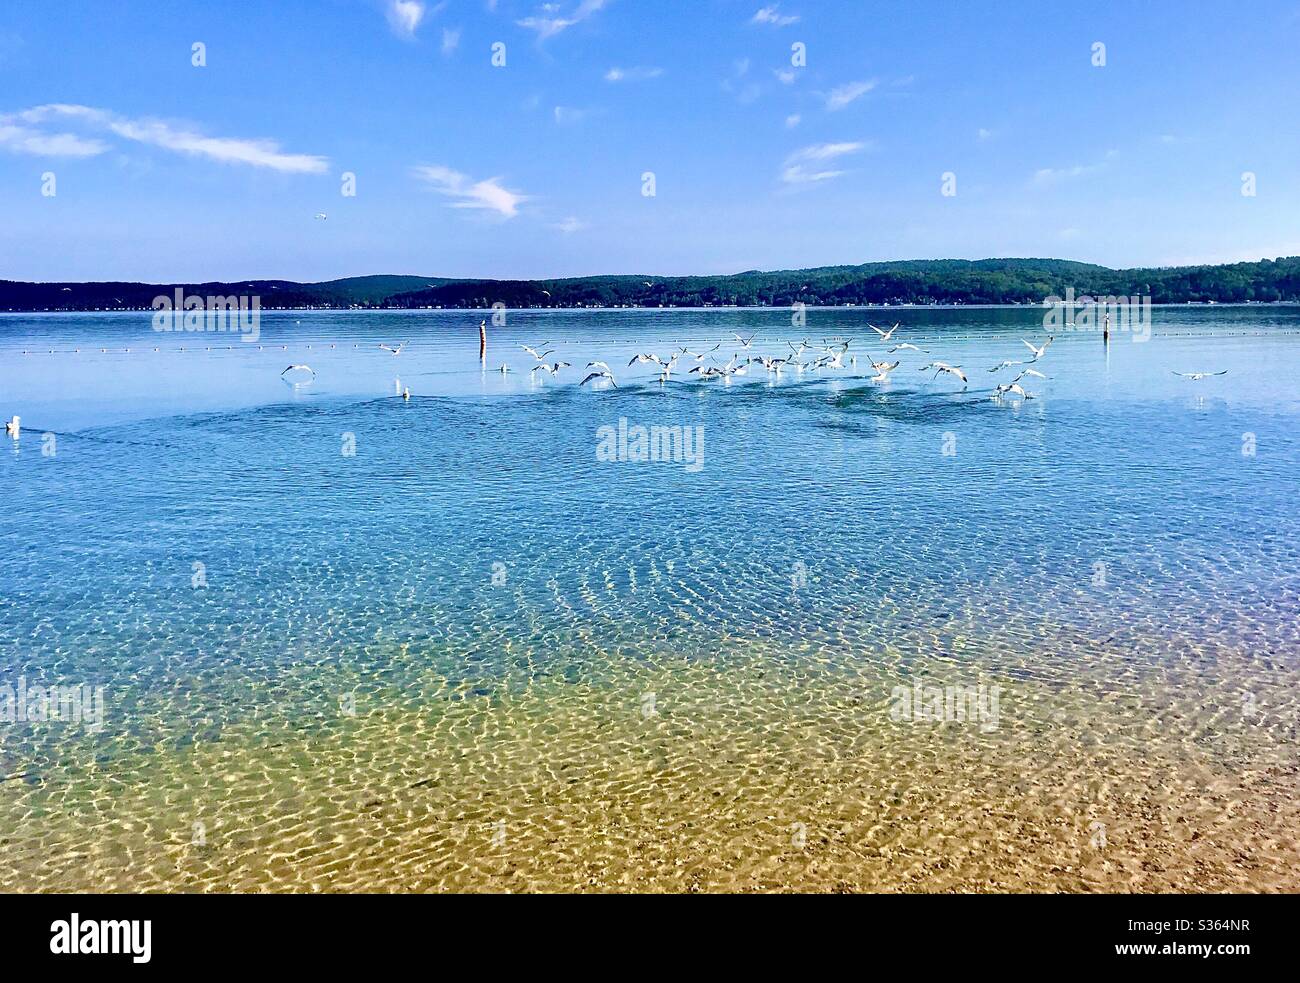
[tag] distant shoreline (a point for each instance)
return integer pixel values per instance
(902, 284)
(615, 309)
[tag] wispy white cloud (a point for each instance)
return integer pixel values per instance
(982, 134)
(465, 192)
(450, 40)
(569, 115)
(785, 76)
(792, 121)
(638, 74)
(548, 22)
(801, 167)
(22, 140)
(737, 84)
(842, 95)
(1054, 175)
(772, 16)
(571, 225)
(404, 16)
(179, 138)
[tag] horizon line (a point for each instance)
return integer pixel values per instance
(678, 276)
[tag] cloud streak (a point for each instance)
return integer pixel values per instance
(404, 16)
(842, 95)
(638, 74)
(465, 192)
(178, 138)
(802, 166)
(21, 140)
(772, 16)
(1046, 176)
(547, 24)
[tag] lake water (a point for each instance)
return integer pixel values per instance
(350, 641)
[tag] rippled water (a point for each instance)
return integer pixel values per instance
(472, 655)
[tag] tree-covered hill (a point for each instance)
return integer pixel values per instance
(941, 281)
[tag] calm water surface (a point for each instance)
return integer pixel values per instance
(472, 655)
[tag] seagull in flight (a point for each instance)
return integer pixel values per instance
(549, 368)
(699, 356)
(602, 374)
(883, 368)
(533, 351)
(598, 365)
(731, 368)
(397, 350)
(945, 367)
(1015, 388)
(504, 368)
(833, 359)
(709, 371)
(907, 346)
(743, 343)
(1038, 352)
(884, 335)
(301, 368)
(647, 357)
(1198, 376)
(1034, 372)
(1007, 364)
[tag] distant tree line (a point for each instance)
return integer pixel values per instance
(949, 281)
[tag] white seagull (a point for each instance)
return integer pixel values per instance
(743, 343)
(699, 356)
(550, 368)
(533, 351)
(1198, 376)
(1038, 352)
(883, 368)
(300, 368)
(907, 346)
(1013, 387)
(14, 427)
(945, 367)
(884, 335)
(397, 350)
(1005, 365)
(603, 374)
(598, 365)
(709, 372)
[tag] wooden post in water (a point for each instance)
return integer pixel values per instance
(482, 340)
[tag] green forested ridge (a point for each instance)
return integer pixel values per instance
(940, 281)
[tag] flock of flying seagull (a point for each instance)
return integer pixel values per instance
(822, 358)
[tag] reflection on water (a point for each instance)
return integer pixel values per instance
(352, 641)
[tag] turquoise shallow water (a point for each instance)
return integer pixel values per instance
(475, 534)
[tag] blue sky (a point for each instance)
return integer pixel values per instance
(167, 171)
